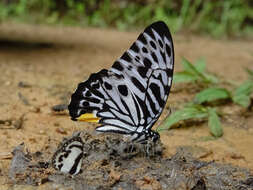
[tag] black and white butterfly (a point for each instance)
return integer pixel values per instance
(130, 96)
(68, 158)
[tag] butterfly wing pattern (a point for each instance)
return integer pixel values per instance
(68, 158)
(130, 96)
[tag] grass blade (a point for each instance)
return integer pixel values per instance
(189, 67)
(214, 123)
(184, 77)
(193, 112)
(211, 94)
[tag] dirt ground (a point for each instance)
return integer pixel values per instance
(47, 63)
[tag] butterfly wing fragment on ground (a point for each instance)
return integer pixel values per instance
(130, 96)
(68, 158)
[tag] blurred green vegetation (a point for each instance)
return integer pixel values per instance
(215, 17)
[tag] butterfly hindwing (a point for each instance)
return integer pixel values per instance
(130, 96)
(68, 158)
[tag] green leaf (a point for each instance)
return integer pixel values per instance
(214, 123)
(184, 77)
(211, 78)
(242, 94)
(245, 88)
(189, 67)
(211, 94)
(193, 112)
(242, 100)
(200, 65)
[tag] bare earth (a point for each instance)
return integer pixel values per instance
(50, 71)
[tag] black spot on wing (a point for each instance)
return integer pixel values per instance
(60, 166)
(123, 90)
(88, 94)
(151, 34)
(126, 57)
(117, 66)
(108, 86)
(73, 169)
(144, 50)
(138, 84)
(147, 62)
(152, 104)
(142, 71)
(168, 50)
(97, 93)
(144, 108)
(167, 89)
(152, 44)
(169, 72)
(137, 58)
(160, 43)
(119, 76)
(135, 48)
(142, 39)
(156, 91)
(154, 57)
(163, 56)
(86, 104)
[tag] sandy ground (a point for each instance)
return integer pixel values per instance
(50, 62)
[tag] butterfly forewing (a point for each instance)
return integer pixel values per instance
(130, 96)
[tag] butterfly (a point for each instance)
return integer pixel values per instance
(68, 158)
(130, 96)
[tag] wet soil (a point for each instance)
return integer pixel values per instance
(44, 67)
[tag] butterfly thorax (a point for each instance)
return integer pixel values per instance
(145, 136)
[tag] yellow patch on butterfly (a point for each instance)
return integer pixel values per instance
(88, 117)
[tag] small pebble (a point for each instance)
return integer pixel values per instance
(61, 131)
(59, 107)
(35, 109)
(7, 83)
